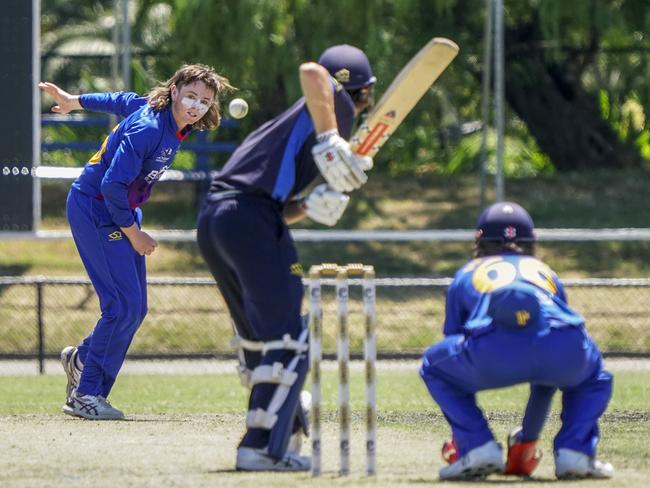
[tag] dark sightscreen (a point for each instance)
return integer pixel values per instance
(16, 124)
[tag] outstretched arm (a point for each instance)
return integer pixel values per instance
(118, 103)
(65, 102)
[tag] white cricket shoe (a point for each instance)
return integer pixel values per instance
(70, 361)
(91, 407)
(477, 463)
(570, 464)
(252, 459)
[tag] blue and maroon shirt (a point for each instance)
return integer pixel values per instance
(488, 290)
(134, 155)
(275, 159)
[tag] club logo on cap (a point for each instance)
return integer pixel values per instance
(510, 232)
(342, 75)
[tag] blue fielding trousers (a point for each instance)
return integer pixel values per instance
(566, 358)
(118, 274)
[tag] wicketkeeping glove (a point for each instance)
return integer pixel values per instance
(523, 457)
(325, 205)
(341, 168)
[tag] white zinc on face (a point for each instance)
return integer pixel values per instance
(191, 102)
(201, 106)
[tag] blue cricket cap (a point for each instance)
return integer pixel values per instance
(349, 65)
(505, 221)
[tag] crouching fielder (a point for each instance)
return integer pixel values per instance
(244, 237)
(507, 322)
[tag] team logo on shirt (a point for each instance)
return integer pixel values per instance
(165, 155)
(522, 317)
(115, 236)
(155, 174)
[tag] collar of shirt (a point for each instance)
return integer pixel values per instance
(181, 134)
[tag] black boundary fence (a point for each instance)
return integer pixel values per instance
(188, 319)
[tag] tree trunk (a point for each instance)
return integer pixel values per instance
(564, 119)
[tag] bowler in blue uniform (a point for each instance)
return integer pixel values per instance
(270, 181)
(103, 208)
(507, 322)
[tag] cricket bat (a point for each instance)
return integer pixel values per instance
(404, 92)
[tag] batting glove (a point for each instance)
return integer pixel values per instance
(325, 205)
(341, 168)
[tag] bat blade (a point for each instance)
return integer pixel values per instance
(408, 87)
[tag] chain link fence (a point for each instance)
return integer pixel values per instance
(189, 319)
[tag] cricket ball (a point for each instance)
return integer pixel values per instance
(238, 108)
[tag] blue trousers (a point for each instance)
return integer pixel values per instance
(118, 274)
(456, 368)
(251, 255)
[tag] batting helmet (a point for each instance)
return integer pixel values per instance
(505, 222)
(348, 65)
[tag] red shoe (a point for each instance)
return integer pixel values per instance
(450, 451)
(523, 457)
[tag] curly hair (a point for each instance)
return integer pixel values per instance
(160, 96)
(492, 248)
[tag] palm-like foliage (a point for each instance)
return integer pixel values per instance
(591, 57)
(77, 42)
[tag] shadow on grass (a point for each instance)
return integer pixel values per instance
(11, 270)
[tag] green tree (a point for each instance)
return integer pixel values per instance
(77, 42)
(259, 45)
(566, 86)
(576, 71)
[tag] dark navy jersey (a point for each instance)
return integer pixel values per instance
(484, 278)
(134, 155)
(276, 158)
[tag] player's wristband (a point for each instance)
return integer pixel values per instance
(323, 136)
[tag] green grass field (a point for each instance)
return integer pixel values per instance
(182, 430)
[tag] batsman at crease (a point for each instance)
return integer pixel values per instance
(243, 235)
